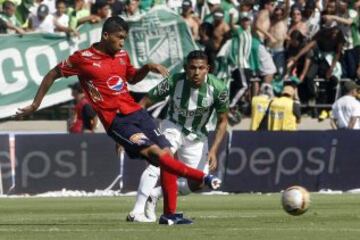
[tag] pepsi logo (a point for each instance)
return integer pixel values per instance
(115, 83)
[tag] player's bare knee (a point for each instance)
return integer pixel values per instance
(153, 153)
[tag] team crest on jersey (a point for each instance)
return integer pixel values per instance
(116, 84)
(139, 139)
(86, 54)
(223, 97)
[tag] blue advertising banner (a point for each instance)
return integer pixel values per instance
(53, 162)
(5, 164)
(272, 161)
(253, 162)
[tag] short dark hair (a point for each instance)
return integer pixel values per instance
(61, 1)
(197, 54)
(115, 24)
(262, 3)
(76, 87)
(99, 4)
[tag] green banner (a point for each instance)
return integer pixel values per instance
(160, 36)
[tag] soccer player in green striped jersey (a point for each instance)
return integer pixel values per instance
(193, 96)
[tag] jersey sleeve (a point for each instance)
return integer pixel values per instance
(160, 91)
(221, 103)
(130, 69)
(69, 67)
(355, 110)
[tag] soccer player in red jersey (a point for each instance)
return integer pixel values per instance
(104, 70)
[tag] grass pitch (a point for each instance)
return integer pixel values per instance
(240, 216)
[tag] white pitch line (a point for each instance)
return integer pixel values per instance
(255, 229)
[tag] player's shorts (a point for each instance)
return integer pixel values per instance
(193, 153)
(267, 66)
(135, 132)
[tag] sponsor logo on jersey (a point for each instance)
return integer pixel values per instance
(223, 97)
(198, 112)
(86, 54)
(116, 84)
(97, 64)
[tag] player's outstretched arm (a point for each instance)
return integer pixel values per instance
(46, 83)
(220, 130)
(150, 67)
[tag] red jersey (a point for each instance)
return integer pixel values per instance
(104, 80)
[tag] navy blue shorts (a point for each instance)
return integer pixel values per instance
(135, 132)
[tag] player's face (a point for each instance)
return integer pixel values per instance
(196, 71)
(115, 41)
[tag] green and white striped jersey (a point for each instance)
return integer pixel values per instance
(189, 107)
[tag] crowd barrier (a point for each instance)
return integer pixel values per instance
(248, 162)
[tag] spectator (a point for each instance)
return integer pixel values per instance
(240, 58)
(117, 7)
(297, 22)
(259, 107)
(206, 43)
(192, 21)
(312, 18)
(42, 21)
(348, 22)
(278, 30)
(221, 29)
(284, 111)
(346, 110)
(131, 9)
(100, 9)
(62, 19)
(267, 67)
(83, 117)
(327, 45)
(301, 68)
(10, 23)
(81, 14)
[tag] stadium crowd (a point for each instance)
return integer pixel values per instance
(285, 42)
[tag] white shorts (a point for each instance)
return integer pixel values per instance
(267, 66)
(193, 153)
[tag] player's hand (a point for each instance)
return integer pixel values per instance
(22, 112)
(158, 68)
(212, 160)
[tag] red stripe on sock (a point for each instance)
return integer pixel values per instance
(170, 164)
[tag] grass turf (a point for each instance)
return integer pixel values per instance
(240, 216)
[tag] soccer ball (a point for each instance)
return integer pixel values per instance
(295, 200)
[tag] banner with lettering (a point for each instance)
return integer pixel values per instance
(159, 36)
